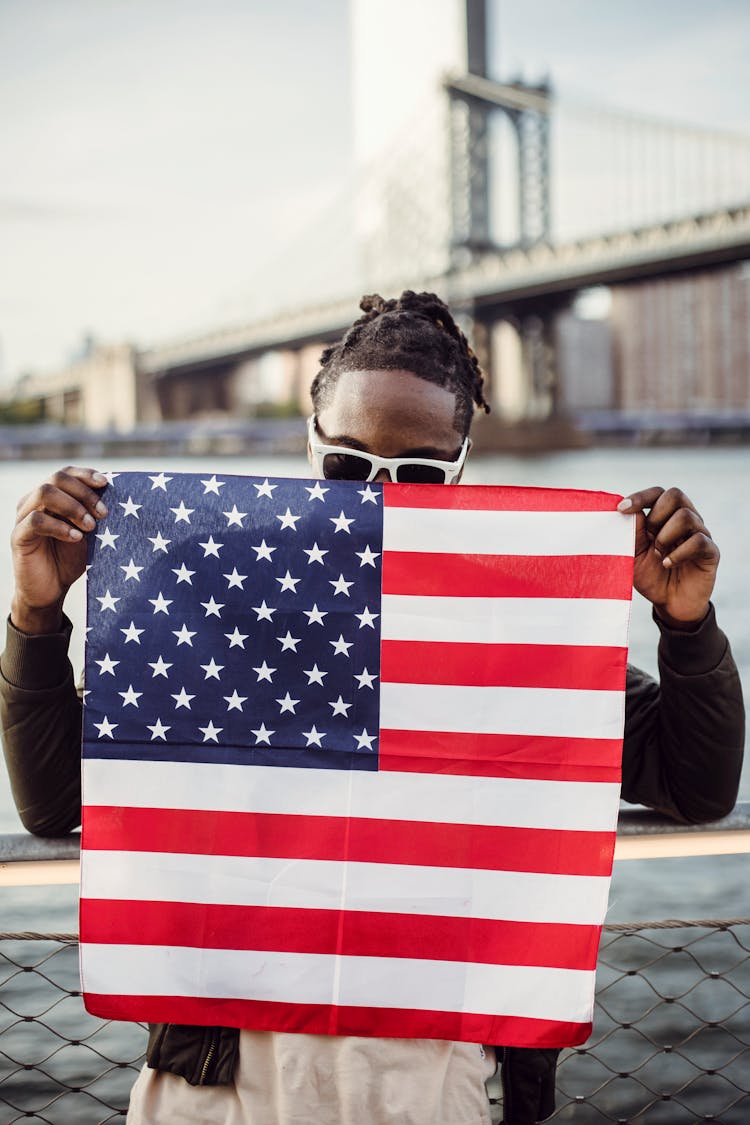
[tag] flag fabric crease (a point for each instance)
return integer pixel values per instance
(351, 755)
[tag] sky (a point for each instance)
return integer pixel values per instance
(156, 156)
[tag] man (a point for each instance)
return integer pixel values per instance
(394, 399)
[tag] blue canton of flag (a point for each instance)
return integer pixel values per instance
(235, 620)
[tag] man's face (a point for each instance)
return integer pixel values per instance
(391, 414)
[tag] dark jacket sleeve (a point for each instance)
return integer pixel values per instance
(684, 737)
(40, 712)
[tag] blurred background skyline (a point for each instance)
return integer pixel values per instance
(159, 157)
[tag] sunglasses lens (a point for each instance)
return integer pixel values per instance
(420, 474)
(345, 466)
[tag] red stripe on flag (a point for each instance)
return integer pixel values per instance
(582, 667)
(321, 1019)
(341, 839)
(348, 934)
(507, 576)
(488, 498)
(537, 757)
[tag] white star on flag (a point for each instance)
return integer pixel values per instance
(160, 668)
(364, 740)
(314, 736)
(130, 696)
(212, 607)
(132, 634)
(107, 601)
(183, 574)
(212, 485)
(212, 670)
(288, 642)
(263, 735)
(341, 522)
(289, 583)
(106, 728)
(264, 672)
(161, 481)
(288, 520)
(210, 732)
(339, 707)
(265, 489)
(317, 492)
(184, 635)
(236, 638)
(315, 554)
(182, 699)
(341, 647)
(159, 542)
(288, 704)
(235, 701)
(107, 665)
(181, 513)
(367, 618)
(130, 508)
(235, 579)
(263, 611)
(263, 551)
(132, 571)
(211, 548)
(235, 517)
(368, 557)
(158, 730)
(107, 539)
(341, 586)
(161, 604)
(314, 675)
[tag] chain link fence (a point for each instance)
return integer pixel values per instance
(58, 1064)
(671, 1040)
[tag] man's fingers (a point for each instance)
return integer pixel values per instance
(40, 525)
(698, 548)
(640, 501)
(660, 504)
(682, 525)
(70, 494)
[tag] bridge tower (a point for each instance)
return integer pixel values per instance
(474, 99)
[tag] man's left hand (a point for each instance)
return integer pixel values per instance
(675, 557)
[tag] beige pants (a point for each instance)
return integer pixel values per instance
(287, 1079)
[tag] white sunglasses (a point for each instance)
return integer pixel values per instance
(339, 462)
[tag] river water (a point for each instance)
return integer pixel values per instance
(714, 478)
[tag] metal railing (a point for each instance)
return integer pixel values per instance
(671, 1038)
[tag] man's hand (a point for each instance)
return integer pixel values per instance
(675, 556)
(49, 547)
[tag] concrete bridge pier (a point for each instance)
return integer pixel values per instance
(521, 367)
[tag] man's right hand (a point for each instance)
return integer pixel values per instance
(49, 545)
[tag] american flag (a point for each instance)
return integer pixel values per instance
(351, 755)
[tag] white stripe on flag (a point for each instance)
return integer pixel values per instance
(506, 533)
(532, 621)
(326, 885)
(502, 710)
(307, 978)
(432, 798)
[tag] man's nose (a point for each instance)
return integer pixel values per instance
(382, 475)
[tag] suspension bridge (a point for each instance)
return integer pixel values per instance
(511, 200)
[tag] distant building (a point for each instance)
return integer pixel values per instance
(101, 390)
(683, 343)
(585, 363)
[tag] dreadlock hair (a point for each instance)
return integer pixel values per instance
(414, 332)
